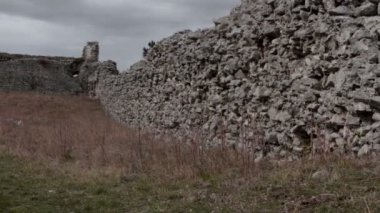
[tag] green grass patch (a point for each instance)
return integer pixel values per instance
(31, 187)
(28, 188)
(34, 187)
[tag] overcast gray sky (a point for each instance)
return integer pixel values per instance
(123, 27)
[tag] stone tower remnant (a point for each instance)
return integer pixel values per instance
(91, 52)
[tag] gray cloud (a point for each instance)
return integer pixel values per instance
(57, 27)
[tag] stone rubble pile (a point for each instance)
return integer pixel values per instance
(302, 76)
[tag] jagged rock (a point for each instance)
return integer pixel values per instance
(376, 147)
(340, 142)
(364, 150)
(376, 116)
(282, 116)
(372, 101)
(337, 120)
(262, 92)
(367, 9)
(352, 120)
(329, 4)
(362, 107)
(341, 11)
(322, 174)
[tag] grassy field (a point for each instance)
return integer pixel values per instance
(62, 154)
(33, 187)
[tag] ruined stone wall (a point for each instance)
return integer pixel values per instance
(37, 73)
(304, 75)
(9, 57)
(48, 74)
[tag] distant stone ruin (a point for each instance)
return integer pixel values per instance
(37, 73)
(50, 74)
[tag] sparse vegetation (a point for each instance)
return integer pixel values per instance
(151, 44)
(62, 153)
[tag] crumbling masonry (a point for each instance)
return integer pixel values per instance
(303, 75)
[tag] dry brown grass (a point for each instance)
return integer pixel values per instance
(59, 128)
